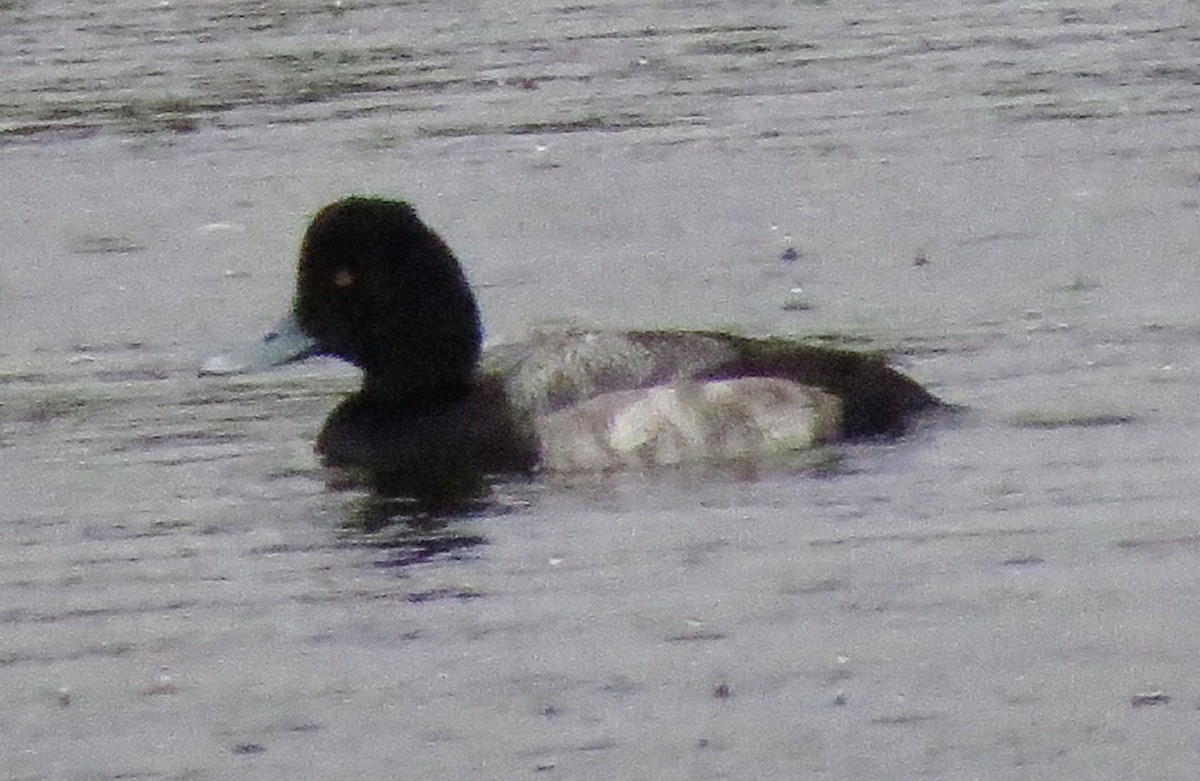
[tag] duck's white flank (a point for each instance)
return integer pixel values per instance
(714, 421)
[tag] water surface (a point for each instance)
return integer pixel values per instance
(1005, 195)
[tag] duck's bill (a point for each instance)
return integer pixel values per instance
(282, 344)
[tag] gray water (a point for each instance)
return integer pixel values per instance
(1009, 596)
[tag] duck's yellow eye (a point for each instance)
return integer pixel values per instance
(343, 278)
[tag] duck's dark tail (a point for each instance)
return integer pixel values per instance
(877, 400)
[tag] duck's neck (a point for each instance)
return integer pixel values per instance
(407, 393)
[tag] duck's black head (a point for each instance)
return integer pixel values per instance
(379, 288)
(376, 287)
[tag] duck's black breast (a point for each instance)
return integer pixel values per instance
(480, 430)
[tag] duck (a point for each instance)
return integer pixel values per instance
(438, 414)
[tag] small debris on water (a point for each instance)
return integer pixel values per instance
(1147, 699)
(164, 684)
(1024, 560)
(796, 302)
(249, 748)
(104, 244)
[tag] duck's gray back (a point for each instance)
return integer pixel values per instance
(555, 370)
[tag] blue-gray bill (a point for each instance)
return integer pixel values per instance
(282, 344)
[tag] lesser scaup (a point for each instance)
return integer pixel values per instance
(377, 287)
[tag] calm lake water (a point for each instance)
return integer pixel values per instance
(1005, 195)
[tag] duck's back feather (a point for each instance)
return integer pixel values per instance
(555, 370)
